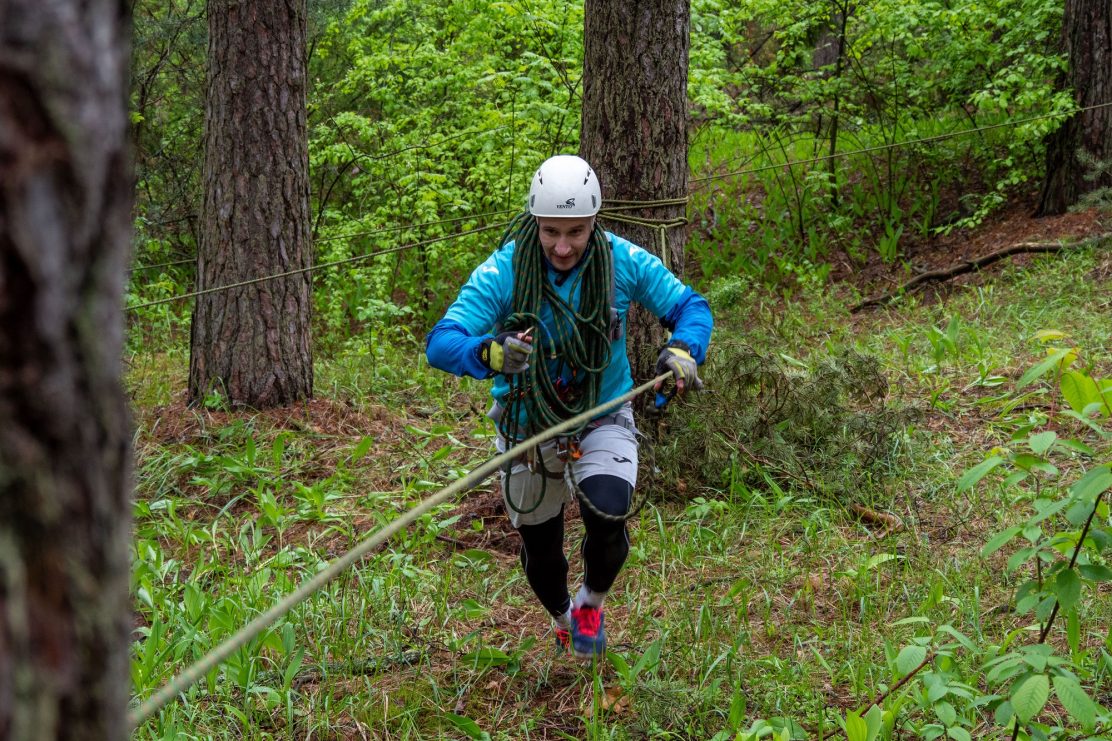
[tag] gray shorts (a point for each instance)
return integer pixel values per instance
(608, 449)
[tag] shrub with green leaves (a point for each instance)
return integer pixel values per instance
(952, 687)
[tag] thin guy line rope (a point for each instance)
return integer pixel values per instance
(893, 145)
(618, 206)
(334, 237)
(218, 655)
(625, 205)
(321, 266)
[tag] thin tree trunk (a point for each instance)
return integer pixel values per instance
(252, 344)
(65, 455)
(841, 18)
(1087, 37)
(635, 129)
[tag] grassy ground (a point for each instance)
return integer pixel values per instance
(740, 601)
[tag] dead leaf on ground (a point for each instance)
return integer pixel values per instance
(615, 700)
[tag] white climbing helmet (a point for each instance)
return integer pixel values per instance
(565, 185)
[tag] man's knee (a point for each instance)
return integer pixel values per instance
(609, 494)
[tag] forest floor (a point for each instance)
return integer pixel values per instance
(1011, 226)
(746, 595)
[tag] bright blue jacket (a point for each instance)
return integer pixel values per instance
(484, 303)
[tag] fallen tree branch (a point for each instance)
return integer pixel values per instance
(888, 522)
(968, 266)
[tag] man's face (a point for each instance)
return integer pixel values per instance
(564, 240)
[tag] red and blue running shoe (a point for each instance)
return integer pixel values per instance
(588, 638)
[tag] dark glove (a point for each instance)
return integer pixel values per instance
(676, 357)
(507, 353)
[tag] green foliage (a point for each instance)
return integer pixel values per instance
(423, 112)
(1060, 565)
(1096, 171)
(431, 111)
(808, 79)
(167, 115)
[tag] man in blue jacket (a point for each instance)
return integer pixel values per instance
(544, 316)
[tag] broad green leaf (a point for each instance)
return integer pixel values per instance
(363, 447)
(1036, 661)
(874, 719)
(999, 540)
(959, 636)
(1044, 608)
(1048, 510)
(486, 657)
(946, 713)
(737, 709)
(913, 620)
(953, 330)
(1040, 369)
(1079, 512)
(856, 727)
(1075, 700)
(970, 478)
(1073, 630)
(1094, 482)
(958, 734)
(1067, 585)
(1095, 572)
(466, 725)
(650, 659)
(621, 666)
(937, 692)
(909, 658)
(1030, 695)
(1079, 390)
(1049, 335)
(1095, 409)
(1041, 442)
(1077, 446)
(1029, 462)
(878, 559)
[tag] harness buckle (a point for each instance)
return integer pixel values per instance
(567, 448)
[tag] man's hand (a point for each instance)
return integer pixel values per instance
(676, 357)
(508, 352)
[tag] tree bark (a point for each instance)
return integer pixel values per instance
(252, 344)
(1087, 38)
(634, 130)
(65, 455)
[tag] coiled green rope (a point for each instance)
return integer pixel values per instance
(565, 378)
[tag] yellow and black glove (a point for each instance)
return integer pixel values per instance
(676, 357)
(507, 353)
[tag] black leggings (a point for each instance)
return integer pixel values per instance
(605, 545)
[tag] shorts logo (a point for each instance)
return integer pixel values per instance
(570, 203)
(623, 459)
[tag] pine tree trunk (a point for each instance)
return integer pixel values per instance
(1087, 37)
(635, 130)
(65, 455)
(252, 344)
